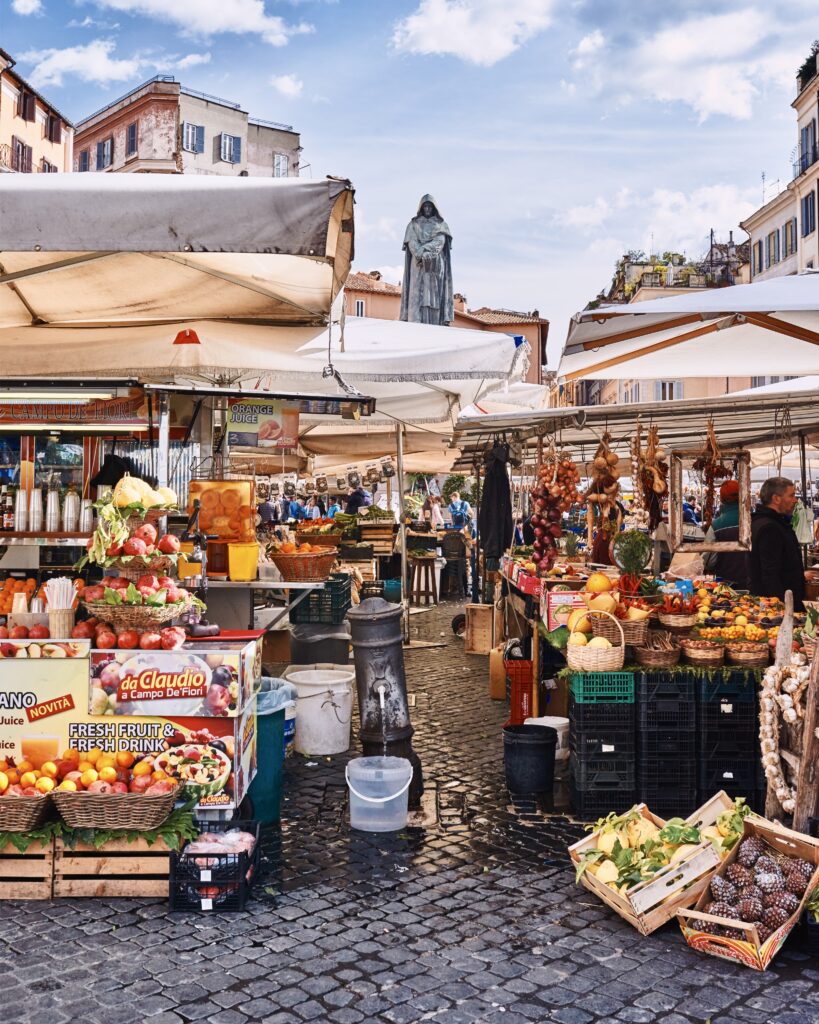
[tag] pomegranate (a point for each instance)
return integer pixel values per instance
(169, 545)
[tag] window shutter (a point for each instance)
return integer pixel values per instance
(223, 147)
(27, 155)
(776, 247)
(678, 389)
(237, 149)
(100, 155)
(658, 390)
(31, 107)
(199, 144)
(793, 235)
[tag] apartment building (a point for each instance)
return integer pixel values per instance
(34, 135)
(783, 232)
(163, 127)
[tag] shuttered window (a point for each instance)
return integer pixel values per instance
(231, 148)
(193, 137)
(20, 156)
(55, 129)
(105, 154)
(131, 145)
(84, 161)
(26, 105)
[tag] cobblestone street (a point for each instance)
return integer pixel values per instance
(475, 918)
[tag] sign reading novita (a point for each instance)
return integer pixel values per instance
(263, 423)
(126, 410)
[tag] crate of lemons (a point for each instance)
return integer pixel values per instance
(646, 868)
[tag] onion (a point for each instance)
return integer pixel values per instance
(539, 531)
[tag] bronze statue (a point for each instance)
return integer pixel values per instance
(426, 292)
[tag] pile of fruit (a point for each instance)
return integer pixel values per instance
(105, 637)
(632, 849)
(36, 632)
(761, 887)
(92, 772)
(114, 542)
(288, 547)
(554, 493)
(12, 586)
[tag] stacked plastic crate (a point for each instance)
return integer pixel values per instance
(601, 743)
(667, 742)
(728, 729)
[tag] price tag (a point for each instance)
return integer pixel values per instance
(205, 875)
(207, 904)
(608, 748)
(727, 709)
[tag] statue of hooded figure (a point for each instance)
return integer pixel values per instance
(426, 293)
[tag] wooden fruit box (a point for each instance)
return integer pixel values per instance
(750, 951)
(119, 868)
(479, 628)
(365, 569)
(650, 904)
(26, 876)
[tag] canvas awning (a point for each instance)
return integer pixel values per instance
(103, 270)
(746, 329)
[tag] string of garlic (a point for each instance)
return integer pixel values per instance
(781, 697)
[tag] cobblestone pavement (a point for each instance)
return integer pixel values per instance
(473, 919)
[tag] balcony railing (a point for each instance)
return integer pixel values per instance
(806, 160)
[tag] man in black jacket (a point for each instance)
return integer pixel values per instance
(776, 559)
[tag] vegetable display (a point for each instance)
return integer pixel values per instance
(554, 493)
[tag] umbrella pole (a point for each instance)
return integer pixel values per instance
(164, 440)
(402, 530)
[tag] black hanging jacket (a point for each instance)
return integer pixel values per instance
(495, 515)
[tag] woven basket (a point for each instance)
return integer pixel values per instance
(607, 659)
(747, 658)
(634, 633)
(677, 623)
(140, 617)
(114, 810)
(708, 658)
(320, 540)
(305, 568)
(159, 566)
(23, 813)
(657, 659)
(152, 515)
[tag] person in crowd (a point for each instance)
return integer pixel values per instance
(731, 566)
(425, 511)
(436, 516)
(284, 508)
(297, 509)
(333, 508)
(776, 560)
(357, 497)
(268, 512)
(313, 511)
(517, 539)
(459, 510)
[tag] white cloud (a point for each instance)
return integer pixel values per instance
(382, 229)
(89, 22)
(25, 7)
(716, 64)
(478, 31)
(211, 17)
(192, 60)
(287, 85)
(588, 216)
(90, 63)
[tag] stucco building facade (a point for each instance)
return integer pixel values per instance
(34, 136)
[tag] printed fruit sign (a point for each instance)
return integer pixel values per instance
(262, 423)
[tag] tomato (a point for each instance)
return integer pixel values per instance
(128, 639)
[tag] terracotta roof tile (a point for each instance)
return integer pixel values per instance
(505, 316)
(358, 282)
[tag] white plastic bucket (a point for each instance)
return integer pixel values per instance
(324, 710)
(560, 726)
(379, 793)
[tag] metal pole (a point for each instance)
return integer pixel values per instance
(164, 439)
(803, 466)
(402, 530)
(477, 594)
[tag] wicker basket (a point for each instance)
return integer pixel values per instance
(677, 623)
(305, 568)
(657, 659)
(152, 515)
(135, 616)
(23, 813)
(114, 810)
(162, 565)
(750, 659)
(607, 659)
(705, 658)
(634, 633)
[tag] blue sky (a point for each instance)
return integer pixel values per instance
(555, 134)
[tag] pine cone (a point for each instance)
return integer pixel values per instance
(739, 875)
(784, 900)
(751, 909)
(750, 850)
(722, 909)
(767, 865)
(774, 917)
(722, 889)
(770, 882)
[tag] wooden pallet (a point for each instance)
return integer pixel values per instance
(119, 868)
(26, 876)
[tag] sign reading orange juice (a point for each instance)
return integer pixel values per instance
(263, 423)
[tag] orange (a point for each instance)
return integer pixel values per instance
(28, 779)
(50, 769)
(13, 776)
(287, 548)
(4, 782)
(83, 766)
(108, 774)
(93, 755)
(44, 785)
(88, 777)
(125, 758)
(143, 768)
(69, 785)
(71, 755)
(106, 761)
(24, 766)
(158, 776)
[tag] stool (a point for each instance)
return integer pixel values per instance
(422, 589)
(454, 571)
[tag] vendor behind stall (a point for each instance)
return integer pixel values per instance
(775, 560)
(731, 566)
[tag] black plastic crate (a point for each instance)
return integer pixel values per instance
(610, 772)
(727, 723)
(328, 606)
(602, 743)
(676, 744)
(664, 771)
(593, 717)
(739, 685)
(214, 882)
(736, 775)
(669, 803)
(591, 804)
(666, 701)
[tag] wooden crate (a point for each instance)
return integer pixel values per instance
(479, 628)
(380, 535)
(366, 569)
(119, 868)
(27, 876)
(649, 905)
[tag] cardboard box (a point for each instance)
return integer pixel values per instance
(750, 951)
(558, 605)
(650, 904)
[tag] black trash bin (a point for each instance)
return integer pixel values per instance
(529, 758)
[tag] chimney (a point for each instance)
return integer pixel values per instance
(460, 302)
(375, 275)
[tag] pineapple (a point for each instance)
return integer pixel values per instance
(767, 865)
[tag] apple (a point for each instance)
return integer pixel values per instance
(169, 545)
(106, 640)
(134, 546)
(128, 639)
(146, 533)
(150, 642)
(18, 633)
(39, 633)
(149, 581)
